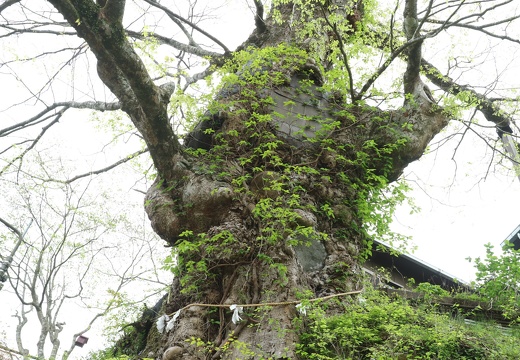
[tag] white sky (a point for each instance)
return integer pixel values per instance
(461, 210)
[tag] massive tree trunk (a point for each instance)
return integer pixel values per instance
(283, 215)
(273, 210)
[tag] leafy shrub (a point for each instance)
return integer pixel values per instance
(378, 327)
(498, 280)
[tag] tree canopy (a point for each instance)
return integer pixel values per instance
(272, 175)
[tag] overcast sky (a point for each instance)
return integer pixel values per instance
(465, 202)
(462, 206)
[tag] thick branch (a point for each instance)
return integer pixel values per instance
(259, 17)
(419, 112)
(4, 266)
(11, 227)
(114, 10)
(190, 49)
(482, 103)
(121, 69)
(411, 27)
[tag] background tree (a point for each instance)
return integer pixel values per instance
(497, 280)
(77, 252)
(311, 122)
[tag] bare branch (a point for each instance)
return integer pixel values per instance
(482, 29)
(32, 30)
(54, 118)
(394, 55)
(35, 141)
(78, 51)
(482, 103)
(194, 26)
(468, 21)
(105, 169)
(392, 24)
(12, 351)
(199, 76)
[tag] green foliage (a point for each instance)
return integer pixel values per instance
(107, 354)
(377, 327)
(278, 183)
(123, 313)
(378, 211)
(431, 291)
(498, 280)
(251, 67)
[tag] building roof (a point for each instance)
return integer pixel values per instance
(514, 238)
(411, 267)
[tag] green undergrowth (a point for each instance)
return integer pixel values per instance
(324, 167)
(377, 327)
(106, 355)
